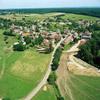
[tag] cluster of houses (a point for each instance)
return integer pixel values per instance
(50, 37)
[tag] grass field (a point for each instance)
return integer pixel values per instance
(49, 94)
(84, 87)
(21, 71)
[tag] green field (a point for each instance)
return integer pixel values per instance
(83, 87)
(20, 72)
(77, 17)
(30, 17)
(49, 94)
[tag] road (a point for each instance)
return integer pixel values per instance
(44, 80)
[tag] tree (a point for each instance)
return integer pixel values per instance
(6, 98)
(9, 33)
(27, 39)
(52, 78)
(38, 40)
(19, 47)
(60, 98)
(56, 59)
(89, 52)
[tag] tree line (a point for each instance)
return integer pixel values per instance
(90, 52)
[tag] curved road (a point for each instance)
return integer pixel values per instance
(44, 80)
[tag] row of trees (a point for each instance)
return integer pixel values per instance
(52, 77)
(55, 62)
(52, 81)
(90, 52)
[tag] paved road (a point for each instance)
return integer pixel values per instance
(44, 80)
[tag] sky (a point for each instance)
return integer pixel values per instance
(6, 4)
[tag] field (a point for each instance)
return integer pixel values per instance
(20, 72)
(29, 17)
(84, 87)
(46, 94)
(77, 17)
(78, 86)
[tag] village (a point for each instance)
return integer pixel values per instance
(45, 34)
(43, 54)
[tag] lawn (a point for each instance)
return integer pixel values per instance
(49, 94)
(22, 71)
(84, 87)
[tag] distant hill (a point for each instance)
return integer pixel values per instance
(85, 11)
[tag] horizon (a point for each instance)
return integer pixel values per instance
(51, 8)
(27, 4)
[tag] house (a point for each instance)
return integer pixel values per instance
(86, 35)
(25, 33)
(54, 35)
(46, 42)
(69, 39)
(44, 33)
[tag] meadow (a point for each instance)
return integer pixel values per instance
(20, 72)
(84, 87)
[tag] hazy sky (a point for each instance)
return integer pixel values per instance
(48, 3)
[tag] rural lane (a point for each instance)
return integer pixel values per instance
(44, 80)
